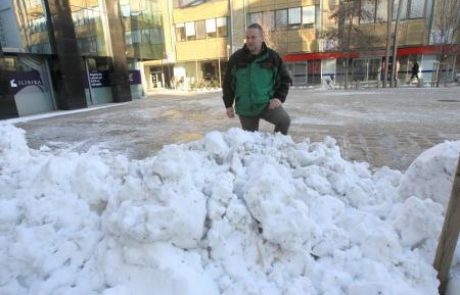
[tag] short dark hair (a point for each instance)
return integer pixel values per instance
(256, 26)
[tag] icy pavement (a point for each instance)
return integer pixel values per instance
(380, 126)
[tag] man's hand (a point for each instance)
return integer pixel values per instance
(230, 112)
(274, 103)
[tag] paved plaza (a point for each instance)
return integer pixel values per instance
(385, 127)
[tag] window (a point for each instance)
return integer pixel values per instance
(298, 72)
(146, 35)
(281, 18)
(128, 38)
(409, 9)
(268, 20)
(403, 9)
(308, 16)
(187, 3)
(190, 31)
(180, 32)
(125, 10)
(382, 14)
(2, 34)
(221, 27)
(294, 17)
(93, 44)
(317, 16)
(255, 18)
(417, 8)
(211, 28)
(368, 12)
(136, 36)
(314, 72)
(200, 29)
(156, 35)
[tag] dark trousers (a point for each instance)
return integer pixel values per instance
(414, 75)
(279, 117)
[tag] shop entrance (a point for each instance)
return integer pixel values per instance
(157, 79)
(98, 89)
(30, 84)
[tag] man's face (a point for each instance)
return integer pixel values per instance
(254, 40)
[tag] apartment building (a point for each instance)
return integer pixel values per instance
(309, 34)
(198, 42)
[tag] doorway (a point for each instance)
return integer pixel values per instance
(30, 84)
(157, 79)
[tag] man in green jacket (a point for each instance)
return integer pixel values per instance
(256, 84)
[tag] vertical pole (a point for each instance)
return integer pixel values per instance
(367, 69)
(407, 77)
(387, 54)
(454, 62)
(449, 235)
(218, 56)
(230, 7)
(394, 68)
(321, 47)
(196, 70)
(220, 75)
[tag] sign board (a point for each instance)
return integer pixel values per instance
(99, 79)
(135, 77)
(20, 80)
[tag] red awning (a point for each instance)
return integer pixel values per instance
(429, 49)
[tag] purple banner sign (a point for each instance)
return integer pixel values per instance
(135, 77)
(99, 79)
(20, 80)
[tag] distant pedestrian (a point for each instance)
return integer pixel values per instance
(415, 69)
(329, 81)
(256, 84)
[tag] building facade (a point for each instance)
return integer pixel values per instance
(342, 39)
(76, 53)
(200, 41)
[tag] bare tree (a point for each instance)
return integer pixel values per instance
(276, 39)
(350, 33)
(446, 31)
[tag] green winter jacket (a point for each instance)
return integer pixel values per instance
(251, 81)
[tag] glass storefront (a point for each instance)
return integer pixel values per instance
(88, 19)
(26, 34)
(27, 19)
(143, 22)
(98, 89)
(32, 23)
(30, 84)
(298, 72)
(365, 69)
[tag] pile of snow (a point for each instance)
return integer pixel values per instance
(431, 175)
(234, 213)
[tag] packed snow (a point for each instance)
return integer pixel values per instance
(233, 213)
